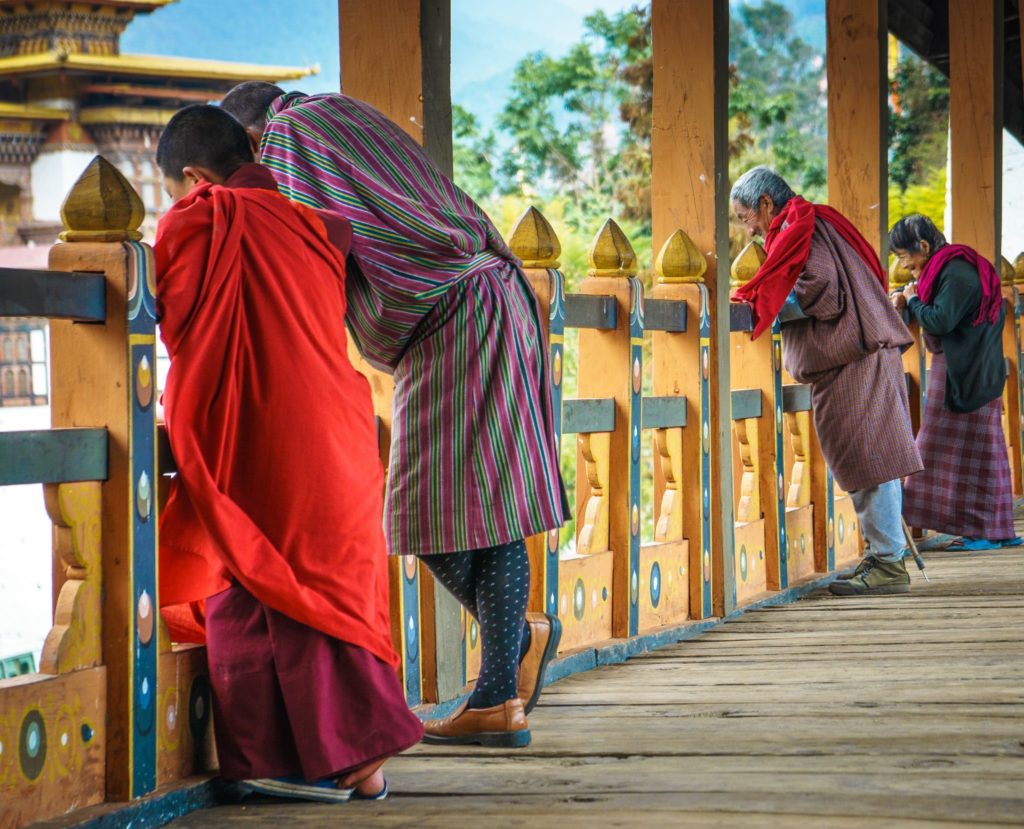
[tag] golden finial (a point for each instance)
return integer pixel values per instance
(102, 206)
(534, 241)
(1018, 269)
(746, 265)
(611, 254)
(899, 277)
(679, 260)
(1006, 271)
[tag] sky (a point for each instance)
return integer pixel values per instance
(488, 37)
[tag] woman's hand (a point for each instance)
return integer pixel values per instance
(910, 291)
(899, 302)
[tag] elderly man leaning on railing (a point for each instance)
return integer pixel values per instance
(840, 334)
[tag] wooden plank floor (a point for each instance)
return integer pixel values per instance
(889, 711)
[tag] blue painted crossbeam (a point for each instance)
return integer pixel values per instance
(590, 311)
(746, 403)
(796, 397)
(53, 456)
(665, 315)
(741, 317)
(52, 294)
(663, 412)
(588, 415)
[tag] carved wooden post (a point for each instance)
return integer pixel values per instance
(800, 508)
(757, 364)
(104, 376)
(534, 241)
(1013, 394)
(74, 641)
(611, 366)
(680, 368)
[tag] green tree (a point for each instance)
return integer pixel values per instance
(918, 121)
(777, 103)
(474, 155)
(557, 116)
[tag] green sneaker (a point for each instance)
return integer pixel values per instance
(860, 569)
(877, 579)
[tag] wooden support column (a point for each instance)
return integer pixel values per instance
(690, 189)
(858, 113)
(976, 123)
(396, 55)
(976, 164)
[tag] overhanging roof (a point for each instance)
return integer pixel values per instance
(148, 66)
(136, 5)
(923, 25)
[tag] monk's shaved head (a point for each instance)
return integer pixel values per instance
(203, 137)
(249, 103)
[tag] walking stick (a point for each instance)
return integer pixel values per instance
(913, 549)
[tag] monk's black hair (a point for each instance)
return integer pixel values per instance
(249, 102)
(908, 233)
(202, 136)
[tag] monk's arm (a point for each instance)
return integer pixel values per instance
(181, 250)
(957, 296)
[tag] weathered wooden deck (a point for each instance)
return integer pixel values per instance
(890, 711)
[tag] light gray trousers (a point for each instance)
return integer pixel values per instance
(880, 512)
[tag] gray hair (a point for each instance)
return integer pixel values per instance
(761, 181)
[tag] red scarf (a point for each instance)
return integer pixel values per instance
(788, 248)
(991, 287)
(279, 486)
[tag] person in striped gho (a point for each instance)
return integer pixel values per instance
(957, 300)
(841, 334)
(437, 299)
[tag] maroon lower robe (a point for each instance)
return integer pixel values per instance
(290, 700)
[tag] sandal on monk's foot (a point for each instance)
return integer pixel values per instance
(353, 779)
(502, 726)
(381, 795)
(297, 788)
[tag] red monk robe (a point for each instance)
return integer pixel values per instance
(275, 515)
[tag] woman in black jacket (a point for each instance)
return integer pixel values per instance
(965, 487)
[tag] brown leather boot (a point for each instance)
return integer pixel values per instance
(503, 726)
(545, 633)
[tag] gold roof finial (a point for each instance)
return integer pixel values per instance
(102, 206)
(679, 260)
(533, 240)
(746, 265)
(610, 253)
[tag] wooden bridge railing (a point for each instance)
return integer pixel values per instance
(116, 710)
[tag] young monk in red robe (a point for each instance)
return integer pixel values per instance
(271, 542)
